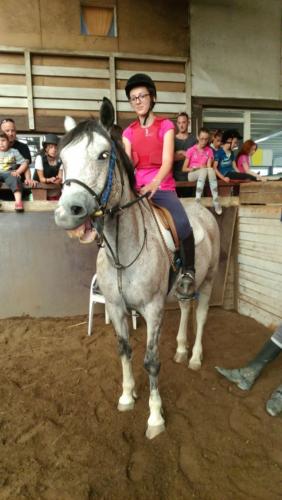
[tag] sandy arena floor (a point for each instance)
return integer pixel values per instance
(62, 438)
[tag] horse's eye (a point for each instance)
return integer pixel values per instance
(104, 155)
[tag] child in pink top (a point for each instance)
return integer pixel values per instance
(198, 164)
(243, 159)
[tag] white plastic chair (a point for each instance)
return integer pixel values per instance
(97, 298)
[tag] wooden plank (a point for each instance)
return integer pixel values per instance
(260, 263)
(260, 238)
(65, 71)
(30, 110)
(245, 249)
(260, 301)
(226, 224)
(261, 229)
(13, 102)
(261, 221)
(155, 75)
(262, 187)
(260, 273)
(268, 293)
(113, 93)
(13, 90)
(66, 104)
(12, 69)
(264, 317)
(258, 212)
(260, 198)
(260, 280)
(40, 91)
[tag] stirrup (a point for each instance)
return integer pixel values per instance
(185, 287)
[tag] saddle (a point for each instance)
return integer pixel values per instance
(165, 218)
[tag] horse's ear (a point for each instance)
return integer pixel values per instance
(69, 123)
(107, 114)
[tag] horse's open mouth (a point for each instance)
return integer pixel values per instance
(85, 232)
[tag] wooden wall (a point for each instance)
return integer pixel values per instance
(260, 263)
(37, 89)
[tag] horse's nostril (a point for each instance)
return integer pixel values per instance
(76, 210)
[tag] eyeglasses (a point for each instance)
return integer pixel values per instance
(140, 98)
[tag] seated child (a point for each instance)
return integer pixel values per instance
(216, 140)
(12, 165)
(198, 164)
(243, 158)
(224, 161)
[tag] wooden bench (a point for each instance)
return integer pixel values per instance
(40, 192)
(231, 188)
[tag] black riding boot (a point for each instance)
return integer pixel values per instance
(245, 377)
(185, 287)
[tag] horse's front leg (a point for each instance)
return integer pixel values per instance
(201, 316)
(156, 423)
(181, 354)
(119, 320)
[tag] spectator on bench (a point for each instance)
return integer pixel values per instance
(224, 161)
(12, 165)
(243, 158)
(182, 141)
(198, 164)
(48, 167)
(216, 140)
(9, 127)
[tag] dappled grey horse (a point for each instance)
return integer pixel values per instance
(133, 264)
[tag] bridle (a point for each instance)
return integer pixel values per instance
(102, 211)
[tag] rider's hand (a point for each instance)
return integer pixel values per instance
(151, 188)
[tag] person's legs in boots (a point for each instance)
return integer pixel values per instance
(185, 288)
(245, 377)
(214, 190)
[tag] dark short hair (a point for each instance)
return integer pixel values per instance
(6, 120)
(204, 129)
(3, 135)
(218, 133)
(183, 113)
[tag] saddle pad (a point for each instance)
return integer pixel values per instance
(167, 222)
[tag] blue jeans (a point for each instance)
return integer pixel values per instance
(170, 200)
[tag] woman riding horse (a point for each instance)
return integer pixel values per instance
(149, 142)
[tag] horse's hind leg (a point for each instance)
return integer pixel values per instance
(181, 354)
(127, 399)
(156, 423)
(201, 316)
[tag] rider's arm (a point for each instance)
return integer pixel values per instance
(127, 146)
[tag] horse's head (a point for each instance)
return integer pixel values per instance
(89, 159)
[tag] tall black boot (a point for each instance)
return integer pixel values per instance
(185, 287)
(245, 377)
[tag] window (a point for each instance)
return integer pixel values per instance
(98, 21)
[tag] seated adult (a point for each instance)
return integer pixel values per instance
(246, 376)
(224, 161)
(9, 127)
(183, 140)
(48, 167)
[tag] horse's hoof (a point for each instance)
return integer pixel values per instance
(128, 407)
(195, 365)
(181, 357)
(154, 430)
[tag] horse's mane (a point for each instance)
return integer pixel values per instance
(86, 128)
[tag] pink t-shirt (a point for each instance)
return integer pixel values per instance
(242, 159)
(199, 157)
(146, 174)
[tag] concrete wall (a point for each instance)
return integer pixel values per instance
(43, 272)
(235, 48)
(158, 27)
